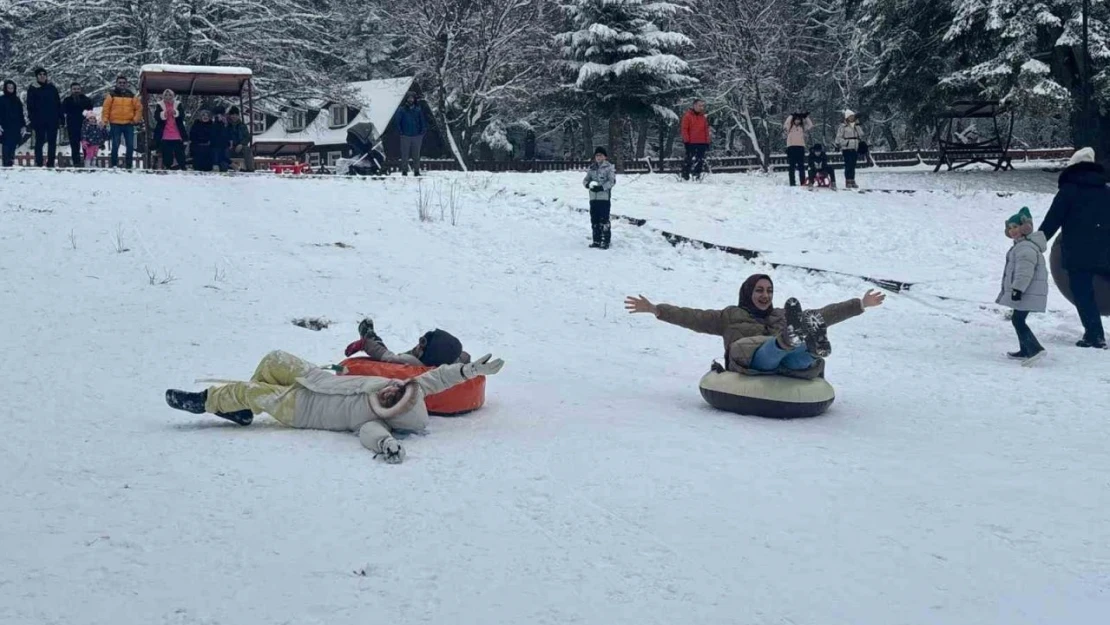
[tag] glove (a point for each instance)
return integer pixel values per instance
(482, 366)
(595, 186)
(354, 348)
(1016, 295)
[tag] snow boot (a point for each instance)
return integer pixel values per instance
(194, 403)
(1089, 343)
(366, 331)
(416, 173)
(391, 451)
(807, 326)
(606, 235)
(1018, 355)
(596, 228)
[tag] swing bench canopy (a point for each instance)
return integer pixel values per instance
(194, 80)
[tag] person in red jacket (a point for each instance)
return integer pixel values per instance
(695, 136)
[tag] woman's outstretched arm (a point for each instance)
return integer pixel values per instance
(703, 321)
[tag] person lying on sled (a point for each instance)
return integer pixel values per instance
(435, 348)
(301, 395)
(762, 339)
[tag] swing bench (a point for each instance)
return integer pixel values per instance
(957, 152)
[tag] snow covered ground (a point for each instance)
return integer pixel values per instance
(946, 485)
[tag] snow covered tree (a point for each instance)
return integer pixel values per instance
(750, 48)
(623, 64)
(1033, 56)
(368, 43)
(475, 58)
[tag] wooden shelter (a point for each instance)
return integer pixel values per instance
(193, 81)
(958, 151)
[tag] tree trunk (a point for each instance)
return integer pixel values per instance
(616, 140)
(641, 138)
(891, 141)
(587, 136)
(455, 151)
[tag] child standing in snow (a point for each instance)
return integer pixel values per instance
(600, 178)
(1025, 281)
(92, 138)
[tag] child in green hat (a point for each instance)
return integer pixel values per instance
(1025, 282)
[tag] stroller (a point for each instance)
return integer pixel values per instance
(365, 160)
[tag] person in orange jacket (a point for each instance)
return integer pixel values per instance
(695, 136)
(122, 111)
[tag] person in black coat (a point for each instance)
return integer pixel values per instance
(44, 111)
(200, 141)
(1081, 212)
(221, 139)
(11, 122)
(73, 108)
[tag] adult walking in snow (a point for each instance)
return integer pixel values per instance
(44, 111)
(796, 126)
(1081, 213)
(759, 338)
(433, 349)
(122, 110)
(1025, 282)
(12, 122)
(600, 179)
(239, 139)
(74, 108)
(695, 138)
(848, 140)
(169, 131)
(298, 394)
(412, 126)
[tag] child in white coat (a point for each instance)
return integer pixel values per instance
(1025, 282)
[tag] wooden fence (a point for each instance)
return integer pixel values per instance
(721, 164)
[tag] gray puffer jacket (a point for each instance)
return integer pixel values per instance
(605, 175)
(1026, 271)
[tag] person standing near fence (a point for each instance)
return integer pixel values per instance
(74, 107)
(695, 138)
(169, 133)
(796, 126)
(44, 110)
(848, 139)
(122, 111)
(11, 122)
(412, 126)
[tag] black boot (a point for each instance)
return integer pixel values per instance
(808, 326)
(194, 403)
(606, 232)
(597, 235)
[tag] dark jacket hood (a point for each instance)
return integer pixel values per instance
(1084, 174)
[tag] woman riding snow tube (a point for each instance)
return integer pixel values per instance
(763, 343)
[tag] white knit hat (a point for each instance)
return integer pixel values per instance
(1085, 155)
(849, 113)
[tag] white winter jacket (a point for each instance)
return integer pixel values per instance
(343, 403)
(1026, 271)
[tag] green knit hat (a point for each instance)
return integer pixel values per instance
(1022, 219)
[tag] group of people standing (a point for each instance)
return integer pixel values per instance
(849, 140)
(215, 137)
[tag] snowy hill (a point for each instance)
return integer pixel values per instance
(946, 485)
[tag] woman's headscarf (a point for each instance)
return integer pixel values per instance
(748, 289)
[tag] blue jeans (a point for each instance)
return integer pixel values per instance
(770, 357)
(127, 133)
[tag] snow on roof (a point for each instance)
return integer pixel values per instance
(195, 69)
(377, 101)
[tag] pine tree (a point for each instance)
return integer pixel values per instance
(623, 64)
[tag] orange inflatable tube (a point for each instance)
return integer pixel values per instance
(459, 399)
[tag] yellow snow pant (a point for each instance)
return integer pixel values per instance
(269, 390)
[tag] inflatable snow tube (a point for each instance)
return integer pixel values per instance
(1060, 277)
(462, 398)
(770, 396)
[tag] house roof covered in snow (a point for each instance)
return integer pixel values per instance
(376, 101)
(197, 80)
